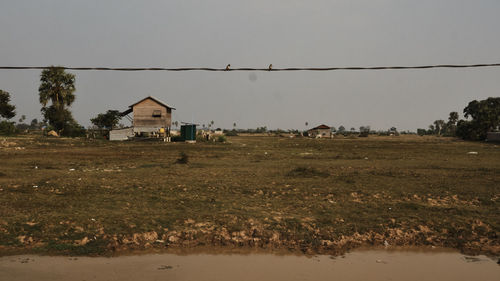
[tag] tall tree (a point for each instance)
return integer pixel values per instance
(439, 126)
(107, 120)
(364, 131)
(431, 130)
(451, 125)
(484, 115)
(7, 110)
(57, 87)
(34, 124)
(453, 118)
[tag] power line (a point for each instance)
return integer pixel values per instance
(270, 68)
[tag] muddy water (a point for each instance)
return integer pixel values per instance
(359, 265)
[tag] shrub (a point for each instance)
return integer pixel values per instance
(421, 132)
(183, 158)
(73, 129)
(7, 128)
(232, 133)
(468, 130)
(201, 138)
(221, 138)
(307, 172)
(364, 134)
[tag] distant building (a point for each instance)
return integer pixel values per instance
(493, 136)
(151, 117)
(321, 131)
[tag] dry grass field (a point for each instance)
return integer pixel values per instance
(80, 197)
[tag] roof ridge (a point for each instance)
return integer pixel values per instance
(155, 99)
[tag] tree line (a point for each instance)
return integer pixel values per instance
(57, 94)
(481, 117)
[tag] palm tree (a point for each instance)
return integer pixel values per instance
(57, 87)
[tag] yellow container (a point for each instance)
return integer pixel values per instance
(162, 130)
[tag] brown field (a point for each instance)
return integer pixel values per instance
(73, 196)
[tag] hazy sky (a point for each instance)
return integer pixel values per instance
(255, 33)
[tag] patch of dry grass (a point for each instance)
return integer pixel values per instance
(81, 197)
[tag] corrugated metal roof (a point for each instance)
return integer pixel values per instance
(322, 126)
(155, 99)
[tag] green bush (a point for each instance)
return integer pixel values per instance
(7, 128)
(73, 129)
(469, 130)
(200, 138)
(364, 134)
(221, 138)
(232, 133)
(183, 158)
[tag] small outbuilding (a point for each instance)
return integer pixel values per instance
(321, 131)
(188, 132)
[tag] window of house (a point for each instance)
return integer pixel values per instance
(156, 113)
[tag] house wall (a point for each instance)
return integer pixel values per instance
(121, 134)
(143, 116)
(320, 132)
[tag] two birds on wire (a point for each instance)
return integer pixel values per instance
(228, 67)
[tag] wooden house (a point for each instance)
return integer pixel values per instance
(321, 131)
(151, 116)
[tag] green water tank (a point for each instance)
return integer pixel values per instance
(188, 132)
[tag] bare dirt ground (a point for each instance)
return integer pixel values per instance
(359, 265)
(80, 197)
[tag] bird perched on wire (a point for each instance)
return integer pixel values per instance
(270, 67)
(228, 66)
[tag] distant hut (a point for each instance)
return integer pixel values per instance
(151, 117)
(321, 131)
